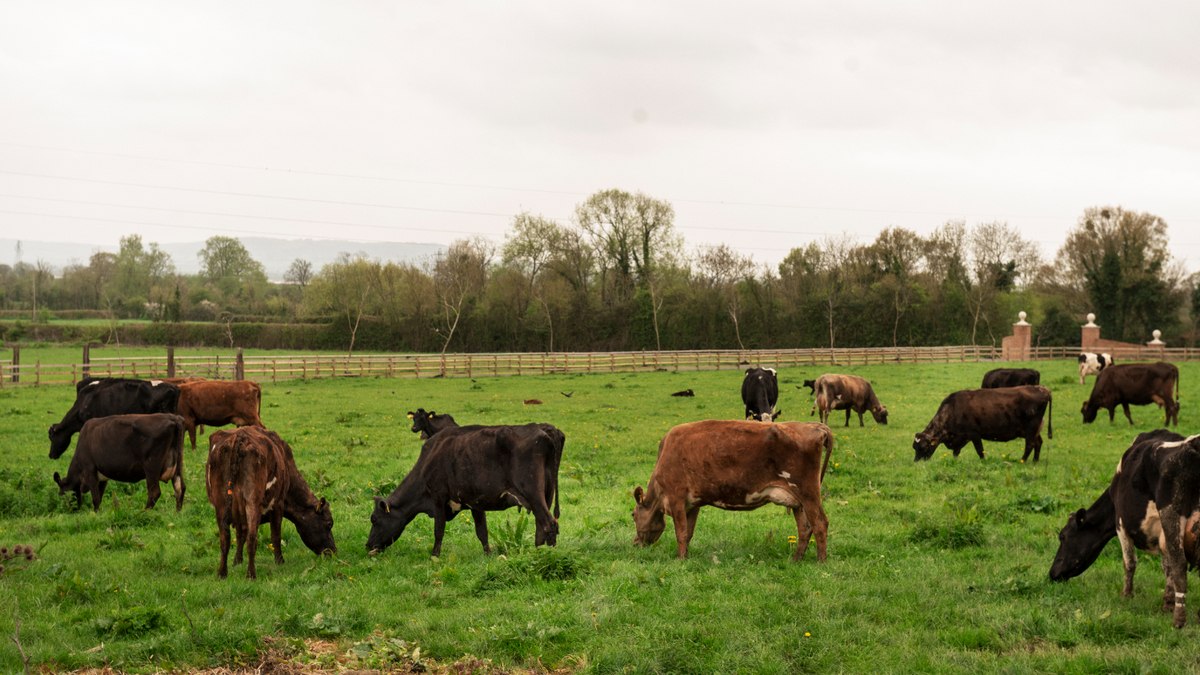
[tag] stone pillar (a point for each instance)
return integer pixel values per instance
(1089, 335)
(1016, 347)
(1157, 341)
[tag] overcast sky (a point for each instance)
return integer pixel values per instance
(766, 125)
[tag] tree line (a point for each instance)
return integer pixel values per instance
(619, 277)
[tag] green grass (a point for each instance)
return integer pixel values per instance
(939, 566)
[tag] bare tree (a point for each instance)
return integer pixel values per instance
(723, 268)
(459, 274)
(999, 258)
(631, 234)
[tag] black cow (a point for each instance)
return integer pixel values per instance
(976, 415)
(1153, 504)
(1010, 377)
(429, 423)
(760, 392)
(128, 449)
(1136, 383)
(478, 468)
(110, 396)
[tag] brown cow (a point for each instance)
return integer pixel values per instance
(848, 392)
(977, 415)
(128, 449)
(251, 477)
(1136, 383)
(219, 402)
(738, 466)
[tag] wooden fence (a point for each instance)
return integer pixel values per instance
(313, 366)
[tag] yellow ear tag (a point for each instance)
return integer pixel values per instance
(387, 507)
(410, 416)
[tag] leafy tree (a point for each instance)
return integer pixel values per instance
(1122, 259)
(300, 272)
(631, 234)
(345, 287)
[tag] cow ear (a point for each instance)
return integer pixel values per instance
(638, 494)
(322, 505)
(411, 414)
(432, 414)
(776, 415)
(1080, 515)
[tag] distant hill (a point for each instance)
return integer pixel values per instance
(275, 254)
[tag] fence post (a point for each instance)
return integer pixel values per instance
(170, 360)
(87, 358)
(16, 362)
(239, 369)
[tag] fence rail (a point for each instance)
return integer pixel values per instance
(315, 366)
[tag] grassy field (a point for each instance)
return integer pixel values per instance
(939, 566)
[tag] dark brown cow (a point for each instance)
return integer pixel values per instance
(251, 477)
(1152, 504)
(1136, 383)
(975, 415)
(738, 466)
(128, 449)
(476, 468)
(429, 423)
(219, 402)
(1010, 377)
(848, 392)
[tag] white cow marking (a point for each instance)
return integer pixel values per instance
(455, 507)
(155, 383)
(1151, 526)
(784, 474)
(1176, 444)
(92, 384)
(269, 484)
(775, 495)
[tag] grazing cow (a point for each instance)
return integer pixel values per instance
(479, 468)
(760, 393)
(812, 386)
(1136, 383)
(129, 449)
(976, 415)
(1091, 363)
(848, 392)
(1153, 504)
(219, 402)
(251, 476)
(429, 423)
(1010, 377)
(737, 466)
(101, 397)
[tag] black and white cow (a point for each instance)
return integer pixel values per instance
(760, 393)
(1091, 363)
(101, 397)
(1153, 504)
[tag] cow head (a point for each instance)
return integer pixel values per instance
(420, 422)
(648, 519)
(1079, 544)
(1089, 411)
(316, 528)
(924, 444)
(755, 416)
(811, 384)
(879, 412)
(387, 524)
(60, 440)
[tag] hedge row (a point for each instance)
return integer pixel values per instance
(372, 336)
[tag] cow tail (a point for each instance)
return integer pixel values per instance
(1050, 418)
(233, 469)
(828, 453)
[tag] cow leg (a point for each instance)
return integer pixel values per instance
(276, 541)
(1125, 407)
(815, 524)
(860, 421)
(1129, 558)
(98, 493)
(223, 535)
(978, 443)
(240, 529)
(683, 534)
(692, 514)
(439, 528)
(253, 520)
(1112, 414)
(180, 488)
(1168, 588)
(153, 491)
(848, 418)
(1175, 563)
(191, 429)
(480, 518)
